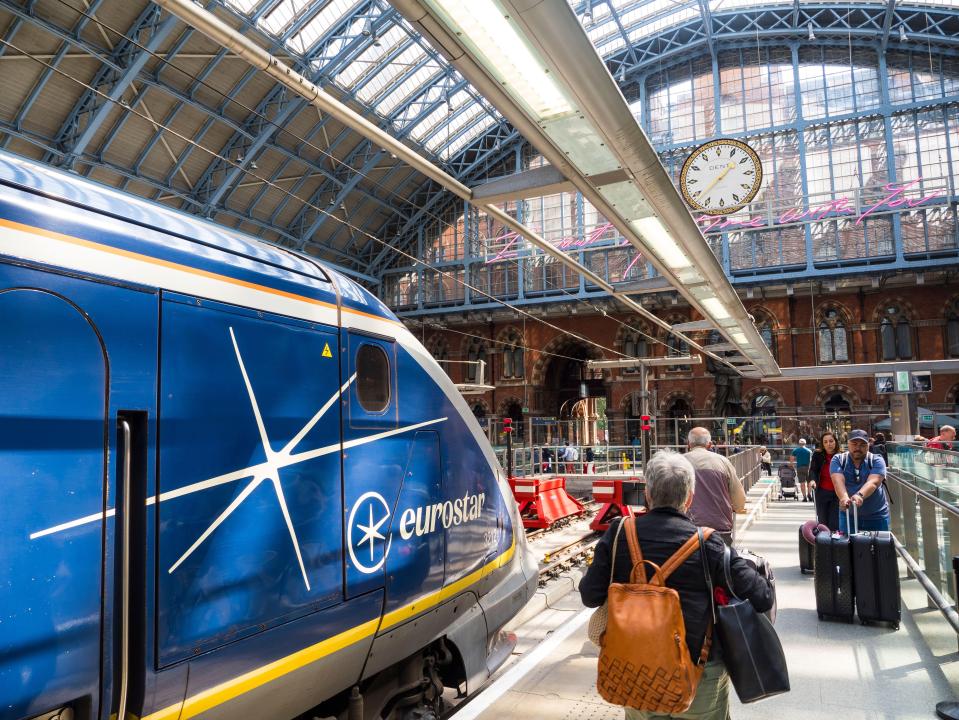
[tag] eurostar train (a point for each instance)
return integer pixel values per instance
(234, 485)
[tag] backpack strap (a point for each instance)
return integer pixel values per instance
(687, 549)
(638, 573)
(635, 553)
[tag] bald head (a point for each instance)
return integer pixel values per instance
(698, 437)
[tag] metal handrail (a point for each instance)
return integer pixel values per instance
(921, 521)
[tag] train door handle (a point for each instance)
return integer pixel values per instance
(126, 484)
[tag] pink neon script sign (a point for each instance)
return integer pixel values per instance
(895, 198)
(593, 238)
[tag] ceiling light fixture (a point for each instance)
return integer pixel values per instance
(902, 33)
(494, 38)
(812, 35)
(657, 238)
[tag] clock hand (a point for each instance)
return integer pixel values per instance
(721, 176)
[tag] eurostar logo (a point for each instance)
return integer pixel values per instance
(370, 508)
(276, 460)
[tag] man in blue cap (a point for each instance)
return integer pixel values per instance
(857, 475)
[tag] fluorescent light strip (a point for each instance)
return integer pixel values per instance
(484, 25)
(715, 308)
(657, 238)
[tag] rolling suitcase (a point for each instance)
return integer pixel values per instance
(833, 577)
(807, 552)
(876, 577)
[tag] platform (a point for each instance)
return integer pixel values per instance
(836, 670)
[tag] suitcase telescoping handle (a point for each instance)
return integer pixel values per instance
(854, 528)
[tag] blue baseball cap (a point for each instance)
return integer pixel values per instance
(858, 435)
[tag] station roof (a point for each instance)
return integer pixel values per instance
(127, 95)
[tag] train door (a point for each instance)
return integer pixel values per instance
(74, 355)
(250, 530)
(393, 478)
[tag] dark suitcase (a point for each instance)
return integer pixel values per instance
(833, 577)
(807, 554)
(876, 573)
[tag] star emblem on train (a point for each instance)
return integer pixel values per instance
(370, 505)
(269, 471)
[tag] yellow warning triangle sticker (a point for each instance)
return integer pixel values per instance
(326, 351)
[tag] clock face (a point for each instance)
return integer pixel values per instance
(721, 176)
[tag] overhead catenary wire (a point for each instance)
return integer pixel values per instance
(415, 260)
(226, 36)
(336, 161)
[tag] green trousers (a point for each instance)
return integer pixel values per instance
(711, 701)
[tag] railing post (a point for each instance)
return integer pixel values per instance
(910, 534)
(895, 507)
(930, 545)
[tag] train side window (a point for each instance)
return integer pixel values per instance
(372, 378)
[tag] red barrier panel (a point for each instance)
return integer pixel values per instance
(543, 501)
(620, 498)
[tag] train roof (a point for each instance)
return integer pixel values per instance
(249, 259)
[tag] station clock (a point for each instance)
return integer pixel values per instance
(721, 176)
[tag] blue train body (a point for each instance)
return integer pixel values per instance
(311, 502)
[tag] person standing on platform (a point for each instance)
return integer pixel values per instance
(720, 493)
(671, 486)
(857, 475)
(827, 503)
(802, 456)
(590, 457)
(944, 440)
(766, 460)
(547, 458)
(879, 447)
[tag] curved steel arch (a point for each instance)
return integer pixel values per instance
(765, 25)
(775, 22)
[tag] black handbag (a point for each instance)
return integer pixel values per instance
(751, 649)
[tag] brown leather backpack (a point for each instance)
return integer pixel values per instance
(644, 661)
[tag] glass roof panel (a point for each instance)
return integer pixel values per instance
(484, 123)
(243, 6)
(387, 74)
(436, 118)
(654, 25)
(281, 17)
(429, 73)
(369, 60)
(320, 24)
(448, 131)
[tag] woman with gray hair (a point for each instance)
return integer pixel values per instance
(670, 485)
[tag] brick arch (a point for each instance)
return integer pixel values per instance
(506, 402)
(436, 344)
(626, 402)
(468, 340)
(851, 395)
(952, 304)
(844, 313)
(630, 325)
(481, 401)
(708, 402)
(907, 308)
(557, 345)
(674, 395)
(507, 335)
(761, 311)
(673, 318)
(952, 394)
(763, 390)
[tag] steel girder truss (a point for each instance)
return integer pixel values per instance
(124, 70)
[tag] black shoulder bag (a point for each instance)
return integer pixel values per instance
(751, 649)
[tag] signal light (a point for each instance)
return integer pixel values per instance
(507, 425)
(646, 421)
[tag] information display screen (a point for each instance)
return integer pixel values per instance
(885, 384)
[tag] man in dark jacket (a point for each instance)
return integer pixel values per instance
(670, 483)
